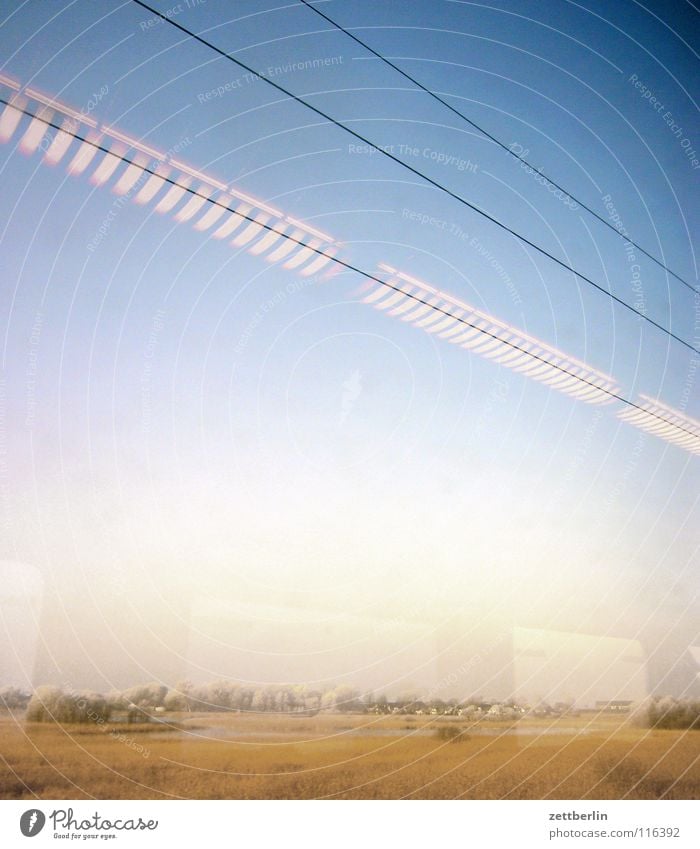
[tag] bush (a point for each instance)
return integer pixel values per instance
(450, 734)
(12, 698)
(51, 704)
(43, 705)
(145, 695)
(667, 713)
(175, 700)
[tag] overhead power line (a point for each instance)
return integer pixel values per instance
(508, 149)
(418, 173)
(430, 303)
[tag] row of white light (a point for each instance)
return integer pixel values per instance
(436, 312)
(678, 428)
(174, 186)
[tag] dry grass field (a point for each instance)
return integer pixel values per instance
(237, 756)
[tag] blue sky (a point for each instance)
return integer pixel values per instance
(187, 423)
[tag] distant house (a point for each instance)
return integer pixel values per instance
(614, 705)
(501, 711)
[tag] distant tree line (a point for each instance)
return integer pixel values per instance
(140, 703)
(49, 703)
(54, 704)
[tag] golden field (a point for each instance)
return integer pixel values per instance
(265, 756)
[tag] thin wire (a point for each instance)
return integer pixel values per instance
(350, 267)
(502, 145)
(418, 173)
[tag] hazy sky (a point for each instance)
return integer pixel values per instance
(213, 467)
